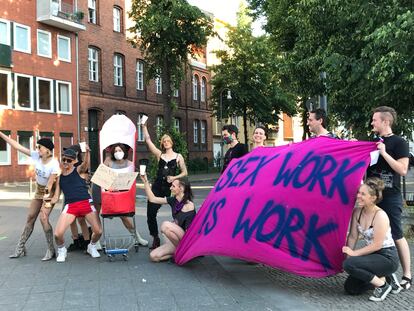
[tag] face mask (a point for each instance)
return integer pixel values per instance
(119, 155)
(227, 140)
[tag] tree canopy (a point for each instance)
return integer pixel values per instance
(249, 70)
(364, 47)
(168, 32)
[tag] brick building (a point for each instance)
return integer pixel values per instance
(112, 80)
(38, 80)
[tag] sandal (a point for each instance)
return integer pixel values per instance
(406, 283)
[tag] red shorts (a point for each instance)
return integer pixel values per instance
(79, 209)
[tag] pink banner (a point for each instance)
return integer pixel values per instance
(287, 207)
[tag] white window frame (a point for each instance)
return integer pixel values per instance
(195, 131)
(92, 6)
(159, 122)
(51, 94)
(140, 75)
(16, 94)
(60, 37)
(140, 132)
(177, 124)
(40, 31)
(203, 89)
(9, 90)
(203, 131)
(158, 85)
(195, 88)
(27, 159)
(29, 38)
(7, 41)
(8, 152)
(91, 62)
(118, 70)
(57, 97)
(116, 12)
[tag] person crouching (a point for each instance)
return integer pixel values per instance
(77, 203)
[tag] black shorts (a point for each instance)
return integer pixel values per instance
(392, 205)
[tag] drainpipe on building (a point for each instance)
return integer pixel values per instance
(77, 84)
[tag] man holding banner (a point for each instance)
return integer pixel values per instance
(237, 149)
(392, 163)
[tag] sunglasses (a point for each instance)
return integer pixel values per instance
(38, 147)
(67, 160)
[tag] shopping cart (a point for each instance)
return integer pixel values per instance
(118, 129)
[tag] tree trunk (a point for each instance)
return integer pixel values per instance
(246, 138)
(166, 95)
(305, 120)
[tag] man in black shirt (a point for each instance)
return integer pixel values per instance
(236, 150)
(392, 163)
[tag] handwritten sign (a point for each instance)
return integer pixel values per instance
(287, 207)
(108, 178)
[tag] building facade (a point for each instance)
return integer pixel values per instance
(113, 80)
(38, 79)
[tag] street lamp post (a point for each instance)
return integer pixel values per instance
(221, 121)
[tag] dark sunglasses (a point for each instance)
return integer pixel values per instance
(67, 160)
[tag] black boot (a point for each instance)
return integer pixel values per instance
(155, 243)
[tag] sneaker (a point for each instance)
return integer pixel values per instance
(62, 253)
(395, 285)
(93, 251)
(75, 246)
(380, 293)
(98, 246)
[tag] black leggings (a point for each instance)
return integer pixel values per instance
(152, 208)
(362, 269)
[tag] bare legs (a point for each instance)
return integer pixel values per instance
(173, 234)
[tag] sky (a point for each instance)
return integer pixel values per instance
(223, 9)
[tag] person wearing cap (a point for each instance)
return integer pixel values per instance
(77, 203)
(47, 169)
(80, 241)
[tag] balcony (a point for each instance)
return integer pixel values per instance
(60, 14)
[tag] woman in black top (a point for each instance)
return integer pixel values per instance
(168, 162)
(183, 213)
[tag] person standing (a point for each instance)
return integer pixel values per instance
(47, 169)
(392, 163)
(317, 123)
(168, 163)
(77, 203)
(237, 150)
(259, 136)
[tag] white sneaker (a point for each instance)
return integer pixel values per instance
(93, 251)
(98, 246)
(62, 253)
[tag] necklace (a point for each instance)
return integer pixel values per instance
(388, 135)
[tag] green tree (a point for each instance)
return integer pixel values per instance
(365, 48)
(168, 31)
(249, 69)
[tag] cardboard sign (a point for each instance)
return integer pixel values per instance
(107, 178)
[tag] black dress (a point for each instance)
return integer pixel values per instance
(160, 188)
(183, 219)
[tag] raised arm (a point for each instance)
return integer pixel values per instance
(83, 168)
(15, 144)
(152, 148)
(151, 197)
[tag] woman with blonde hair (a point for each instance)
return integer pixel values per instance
(168, 163)
(47, 169)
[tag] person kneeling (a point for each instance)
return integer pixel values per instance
(183, 213)
(373, 265)
(77, 203)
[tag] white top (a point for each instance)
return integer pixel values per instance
(43, 171)
(368, 236)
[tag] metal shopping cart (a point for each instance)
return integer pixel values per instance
(118, 129)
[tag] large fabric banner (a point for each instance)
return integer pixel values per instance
(287, 207)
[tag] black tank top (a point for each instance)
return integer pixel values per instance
(166, 169)
(74, 187)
